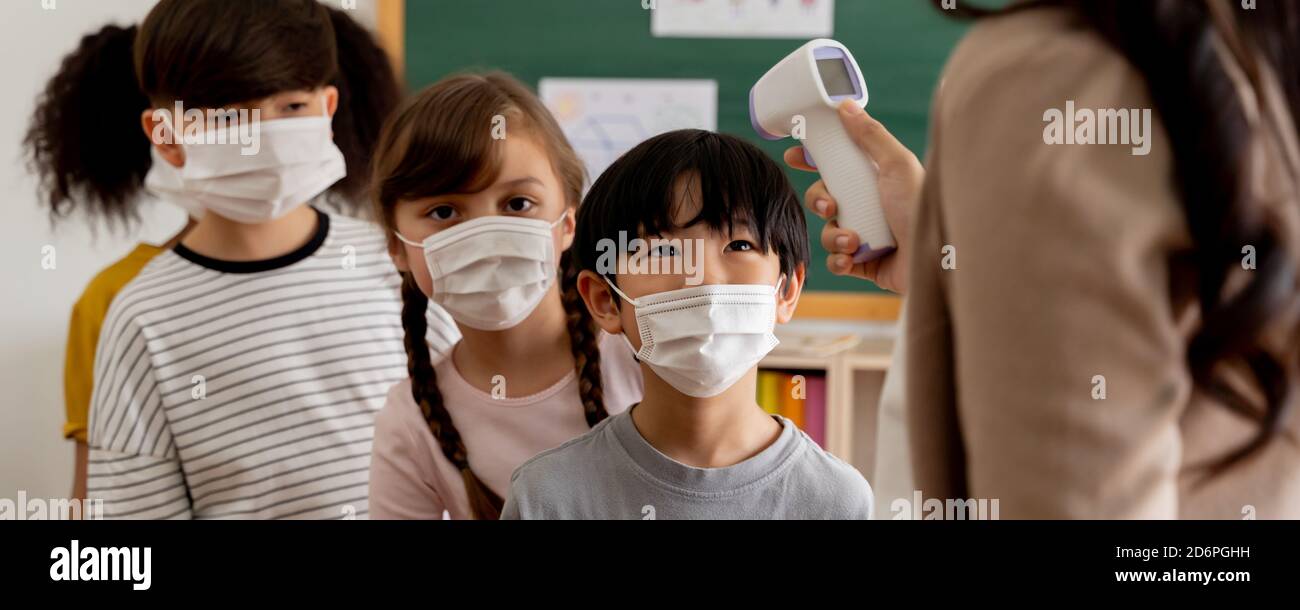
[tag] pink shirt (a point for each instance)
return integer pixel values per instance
(410, 478)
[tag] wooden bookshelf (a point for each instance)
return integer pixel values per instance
(854, 379)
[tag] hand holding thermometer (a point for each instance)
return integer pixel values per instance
(810, 83)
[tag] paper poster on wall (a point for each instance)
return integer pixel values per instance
(605, 117)
(743, 18)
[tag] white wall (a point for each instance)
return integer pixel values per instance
(35, 303)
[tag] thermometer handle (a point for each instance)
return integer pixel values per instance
(851, 178)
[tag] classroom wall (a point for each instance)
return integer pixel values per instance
(35, 303)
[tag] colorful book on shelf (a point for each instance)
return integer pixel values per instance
(798, 396)
(793, 390)
(769, 389)
(814, 409)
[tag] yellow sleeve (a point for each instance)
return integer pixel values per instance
(79, 367)
(83, 335)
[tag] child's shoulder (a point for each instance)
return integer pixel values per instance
(111, 280)
(350, 228)
(569, 457)
(142, 277)
(543, 487)
(846, 493)
(399, 410)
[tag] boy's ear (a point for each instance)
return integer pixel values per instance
(787, 298)
(162, 138)
(331, 94)
(600, 301)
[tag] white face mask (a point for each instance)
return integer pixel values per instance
(703, 339)
(490, 273)
(296, 161)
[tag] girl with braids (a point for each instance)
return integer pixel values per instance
(70, 152)
(479, 189)
(237, 374)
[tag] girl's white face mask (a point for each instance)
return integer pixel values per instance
(703, 339)
(490, 273)
(296, 160)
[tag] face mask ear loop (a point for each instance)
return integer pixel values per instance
(636, 355)
(560, 219)
(779, 284)
(620, 292)
(407, 241)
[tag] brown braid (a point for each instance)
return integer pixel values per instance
(483, 502)
(582, 341)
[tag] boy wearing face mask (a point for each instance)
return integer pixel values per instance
(97, 176)
(238, 374)
(697, 446)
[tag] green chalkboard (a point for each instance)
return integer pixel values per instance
(899, 44)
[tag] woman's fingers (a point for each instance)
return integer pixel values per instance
(839, 241)
(794, 158)
(839, 264)
(874, 139)
(842, 264)
(819, 200)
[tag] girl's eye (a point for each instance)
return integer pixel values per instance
(519, 205)
(442, 212)
(741, 245)
(295, 107)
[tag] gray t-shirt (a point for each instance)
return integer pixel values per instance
(613, 473)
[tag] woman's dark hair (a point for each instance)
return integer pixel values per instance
(739, 185)
(1170, 42)
(85, 141)
(439, 142)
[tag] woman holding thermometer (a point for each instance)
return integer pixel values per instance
(1116, 334)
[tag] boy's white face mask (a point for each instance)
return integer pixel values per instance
(490, 273)
(703, 339)
(296, 160)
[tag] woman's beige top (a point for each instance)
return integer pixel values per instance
(1069, 269)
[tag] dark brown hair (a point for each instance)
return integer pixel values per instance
(1170, 43)
(739, 186)
(440, 142)
(85, 142)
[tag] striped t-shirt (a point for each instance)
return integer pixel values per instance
(249, 389)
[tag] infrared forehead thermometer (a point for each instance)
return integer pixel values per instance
(798, 98)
